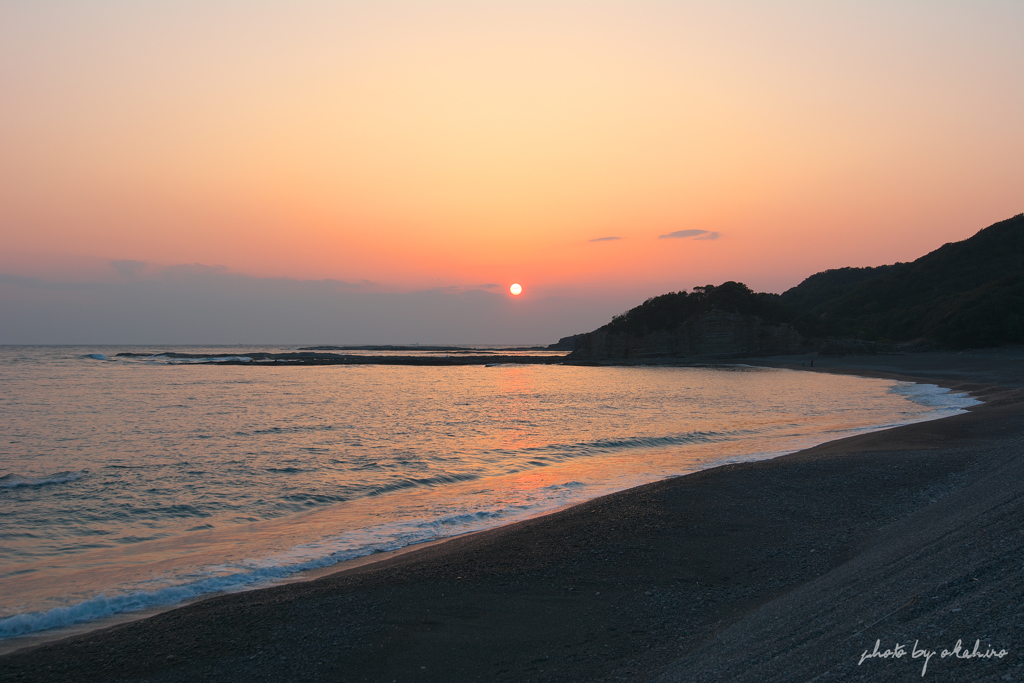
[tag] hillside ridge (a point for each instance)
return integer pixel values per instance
(966, 294)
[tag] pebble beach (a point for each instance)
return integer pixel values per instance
(778, 570)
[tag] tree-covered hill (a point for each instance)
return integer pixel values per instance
(828, 286)
(669, 311)
(964, 294)
(725, 321)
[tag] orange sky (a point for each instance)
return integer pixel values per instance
(419, 145)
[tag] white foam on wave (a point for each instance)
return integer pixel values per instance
(934, 396)
(300, 558)
(105, 606)
(455, 520)
(461, 520)
(943, 403)
(10, 481)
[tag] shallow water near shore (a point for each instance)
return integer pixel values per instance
(126, 485)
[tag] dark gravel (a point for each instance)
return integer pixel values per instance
(779, 570)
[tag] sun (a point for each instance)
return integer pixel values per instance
(516, 289)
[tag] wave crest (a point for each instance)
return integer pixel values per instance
(11, 481)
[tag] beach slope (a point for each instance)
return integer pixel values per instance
(786, 569)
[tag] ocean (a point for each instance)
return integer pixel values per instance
(135, 483)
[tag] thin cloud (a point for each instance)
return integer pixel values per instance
(605, 239)
(127, 268)
(709, 236)
(685, 234)
(214, 306)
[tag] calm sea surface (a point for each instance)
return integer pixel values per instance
(127, 484)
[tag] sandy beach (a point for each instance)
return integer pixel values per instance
(782, 570)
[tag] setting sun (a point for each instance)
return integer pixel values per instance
(516, 289)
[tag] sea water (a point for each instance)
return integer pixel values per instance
(130, 483)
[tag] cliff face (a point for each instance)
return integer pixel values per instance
(715, 334)
(566, 343)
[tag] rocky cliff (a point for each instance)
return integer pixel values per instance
(714, 334)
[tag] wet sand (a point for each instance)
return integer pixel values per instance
(786, 569)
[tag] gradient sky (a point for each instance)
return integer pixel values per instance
(596, 152)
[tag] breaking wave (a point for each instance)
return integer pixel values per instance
(11, 481)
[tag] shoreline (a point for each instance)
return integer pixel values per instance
(752, 451)
(388, 601)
